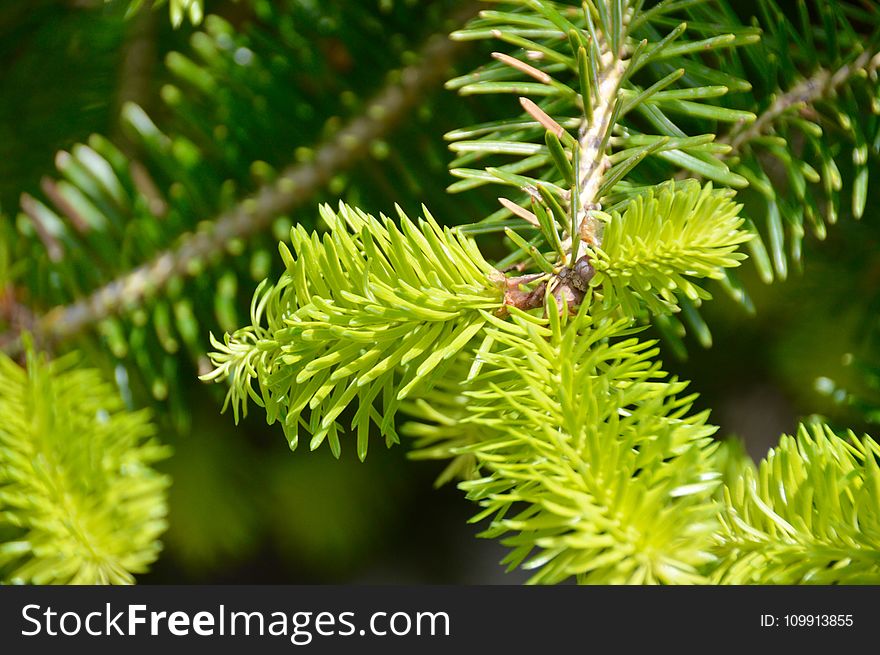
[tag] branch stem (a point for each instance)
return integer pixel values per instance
(595, 130)
(820, 85)
(593, 160)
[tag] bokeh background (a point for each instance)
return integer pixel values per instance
(244, 509)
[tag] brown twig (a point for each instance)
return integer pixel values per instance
(569, 286)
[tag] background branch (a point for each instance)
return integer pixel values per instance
(823, 83)
(294, 187)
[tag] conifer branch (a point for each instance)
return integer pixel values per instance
(578, 142)
(808, 514)
(80, 501)
(586, 459)
(589, 463)
(820, 85)
(665, 238)
(294, 187)
(368, 314)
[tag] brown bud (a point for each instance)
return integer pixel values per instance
(524, 300)
(582, 273)
(568, 295)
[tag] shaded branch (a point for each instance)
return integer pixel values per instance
(823, 83)
(293, 188)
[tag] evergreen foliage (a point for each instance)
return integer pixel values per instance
(591, 463)
(369, 309)
(147, 239)
(80, 501)
(815, 85)
(639, 145)
(807, 514)
(650, 250)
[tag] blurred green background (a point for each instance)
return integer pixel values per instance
(244, 508)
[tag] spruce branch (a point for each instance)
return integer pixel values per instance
(79, 500)
(809, 514)
(818, 101)
(819, 86)
(585, 457)
(590, 465)
(586, 62)
(368, 314)
(664, 238)
(588, 65)
(293, 188)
